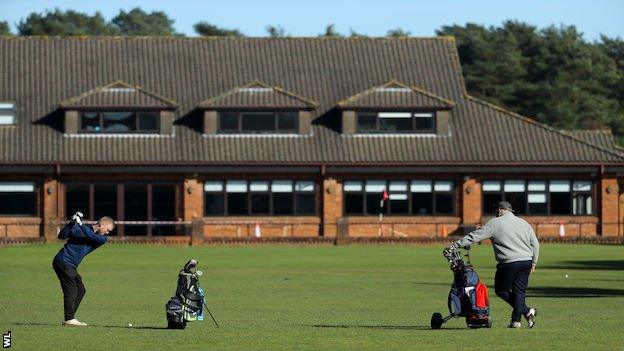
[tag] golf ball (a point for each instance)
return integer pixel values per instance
(566, 275)
(129, 324)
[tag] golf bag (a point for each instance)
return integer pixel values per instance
(188, 303)
(468, 296)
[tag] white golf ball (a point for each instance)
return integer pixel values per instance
(566, 275)
(129, 324)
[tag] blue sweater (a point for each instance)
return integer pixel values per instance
(81, 241)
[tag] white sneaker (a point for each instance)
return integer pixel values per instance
(515, 325)
(75, 323)
(530, 317)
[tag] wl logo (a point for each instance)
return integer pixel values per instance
(6, 340)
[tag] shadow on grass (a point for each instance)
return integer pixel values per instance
(89, 326)
(572, 292)
(611, 265)
(382, 327)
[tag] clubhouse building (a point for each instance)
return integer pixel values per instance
(289, 137)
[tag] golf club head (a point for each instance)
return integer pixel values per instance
(199, 273)
(191, 264)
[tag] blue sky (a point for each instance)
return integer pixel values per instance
(369, 17)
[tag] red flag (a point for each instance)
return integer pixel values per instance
(384, 197)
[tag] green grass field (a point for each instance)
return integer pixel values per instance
(299, 298)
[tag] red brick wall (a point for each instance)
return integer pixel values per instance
(332, 205)
(50, 196)
(609, 210)
(282, 226)
(471, 202)
(399, 226)
(20, 227)
(193, 199)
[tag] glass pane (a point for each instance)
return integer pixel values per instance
(538, 208)
(306, 203)
(118, 122)
(537, 198)
(77, 199)
(489, 202)
(421, 186)
(399, 203)
(259, 186)
(287, 121)
(283, 203)
(148, 121)
(18, 203)
(352, 186)
(367, 122)
(90, 121)
(375, 186)
(373, 200)
(537, 186)
(560, 203)
(260, 203)
(443, 186)
(135, 208)
(582, 204)
(582, 186)
(228, 121)
(237, 203)
(258, 122)
(214, 204)
(559, 186)
(213, 186)
(514, 186)
(518, 201)
(422, 203)
(163, 202)
(424, 121)
(105, 201)
(354, 203)
(304, 186)
(398, 125)
(282, 186)
(236, 186)
(398, 186)
(443, 203)
(491, 185)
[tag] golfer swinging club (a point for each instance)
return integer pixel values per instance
(81, 241)
(516, 249)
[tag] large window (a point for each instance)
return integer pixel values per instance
(18, 199)
(261, 197)
(540, 197)
(131, 201)
(7, 113)
(396, 122)
(258, 122)
(416, 197)
(120, 122)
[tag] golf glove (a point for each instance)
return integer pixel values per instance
(77, 217)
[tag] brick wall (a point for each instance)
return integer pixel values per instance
(609, 210)
(404, 226)
(332, 206)
(245, 226)
(471, 202)
(193, 199)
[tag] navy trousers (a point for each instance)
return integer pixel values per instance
(510, 283)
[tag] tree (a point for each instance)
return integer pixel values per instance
(69, 22)
(4, 28)
(276, 31)
(206, 29)
(398, 33)
(330, 32)
(354, 34)
(137, 22)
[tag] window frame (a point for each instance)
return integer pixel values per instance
(270, 192)
(413, 118)
(239, 122)
(37, 194)
(387, 206)
(547, 192)
(9, 111)
(135, 116)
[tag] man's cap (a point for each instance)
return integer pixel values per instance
(504, 205)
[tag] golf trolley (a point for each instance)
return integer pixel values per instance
(468, 296)
(189, 301)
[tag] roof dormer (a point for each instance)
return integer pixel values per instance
(257, 108)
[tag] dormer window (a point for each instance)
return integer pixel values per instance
(7, 113)
(395, 122)
(119, 122)
(258, 122)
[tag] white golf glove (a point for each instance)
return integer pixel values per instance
(77, 217)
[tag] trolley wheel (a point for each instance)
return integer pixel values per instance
(436, 321)
(489, 322)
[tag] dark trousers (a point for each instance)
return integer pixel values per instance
(73, 289)
(510, 283)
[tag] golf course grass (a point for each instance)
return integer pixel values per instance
(307, 298)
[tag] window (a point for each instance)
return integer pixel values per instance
(120, 122)
(416, 197)
(7, 113)
(18, 199)
(260, 197)
(252, 122)
(539, 197)
(396, 122)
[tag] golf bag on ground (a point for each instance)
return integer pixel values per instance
(468, 296)
(188, 303)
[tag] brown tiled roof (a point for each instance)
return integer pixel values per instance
(258, 95)
(394, 94)
(37, 73)
(118, 95)
(603, 138)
